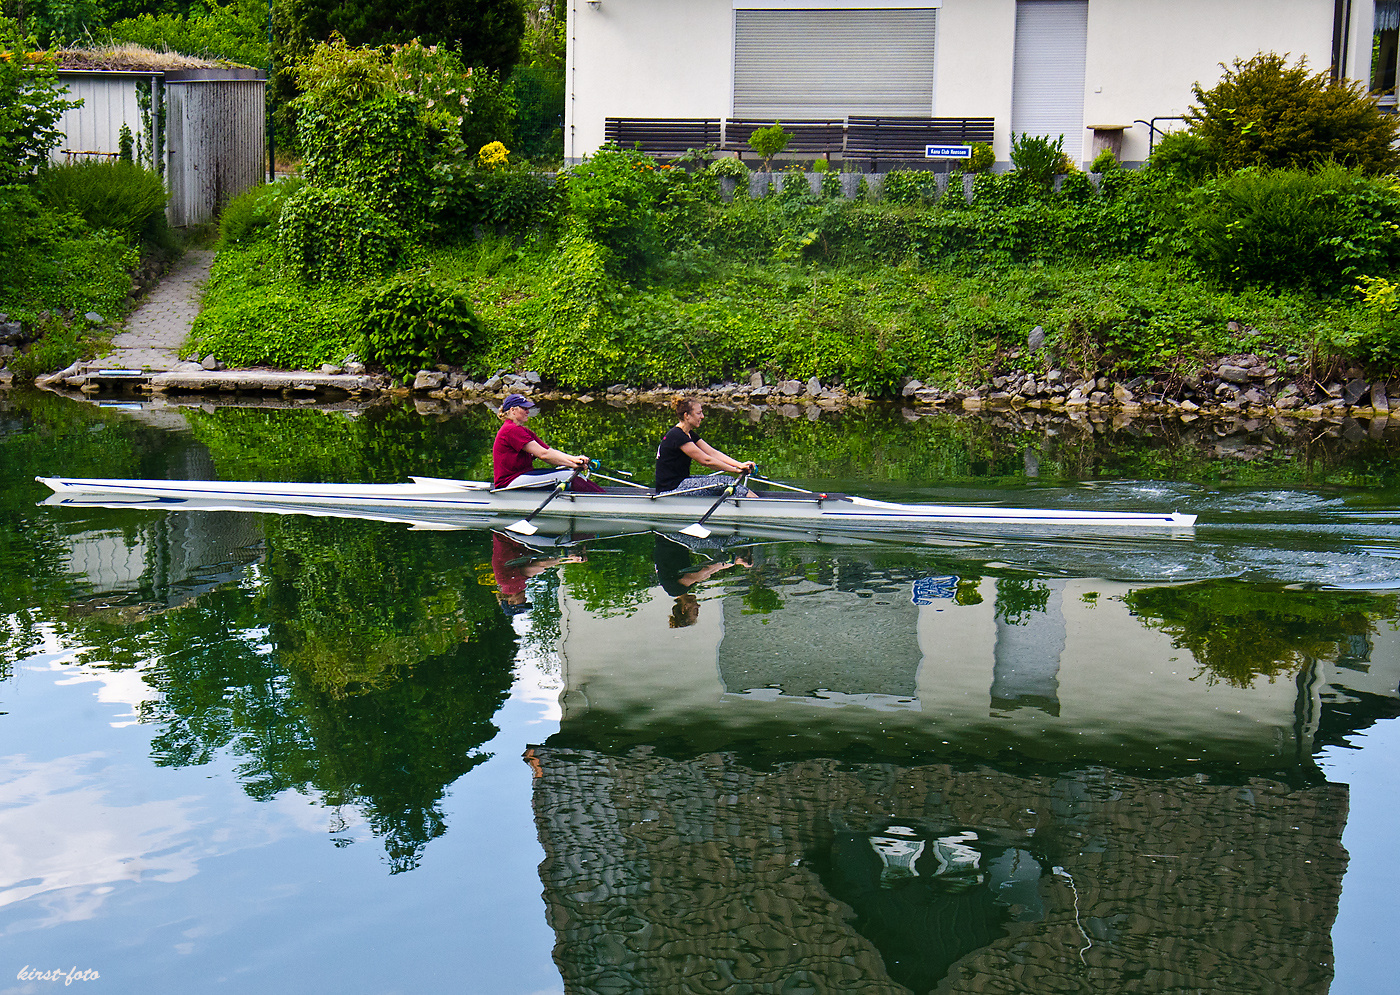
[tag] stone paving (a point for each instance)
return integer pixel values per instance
(159, 326)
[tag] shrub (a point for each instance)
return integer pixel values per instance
(491, 113)
(1264, 112)
(728, 166)
(1076, 188)
(983, 158)
(1185, 157)
(114, 196)
(612, 197)
(31, 102)
(769, 142)
(53, 260)
(254, 214)
(513, 201)
(411, 323)
(1294, 228)
(907, 186)
(332, 234)
(1104, 162)
(377, 148)
(1037, 157)
(236, 31)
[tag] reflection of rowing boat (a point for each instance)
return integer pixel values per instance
(431, 502)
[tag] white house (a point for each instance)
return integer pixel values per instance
(1044, 67)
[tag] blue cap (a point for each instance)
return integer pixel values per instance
(516, 401)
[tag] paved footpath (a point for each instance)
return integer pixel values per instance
(159, 326)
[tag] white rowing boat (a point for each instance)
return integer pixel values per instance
(465, 504)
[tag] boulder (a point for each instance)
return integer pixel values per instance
(429, 380)
(209, 362)
(331, 369)
(1354, 390)
(1035, 339)
(912, 388)
(354, 367)
(93, 318)
(790, 388)
(814, 387)
(1378, 399)
(756, 380)
(1232, 374)
(531, 377)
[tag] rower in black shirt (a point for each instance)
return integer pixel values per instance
(682, 444)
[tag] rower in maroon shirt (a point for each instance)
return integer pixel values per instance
(516, 448)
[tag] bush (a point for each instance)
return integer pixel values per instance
(1104, 162)
(1185, 157)
(31, 102)
(507, 200)
(907, 186)
(769, 142)
(53, 260)
(1294, 228)
(1264, 112)
(411, 323)
(612, 197)
(983, 158)
(378, 149)
(236, 31)
(1037, 157)
(334, 235)
(254, 215)
(116, 196)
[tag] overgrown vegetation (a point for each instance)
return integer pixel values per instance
(625, 269)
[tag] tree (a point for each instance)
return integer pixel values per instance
(481, 32)
(1264, 112)
(31, 102)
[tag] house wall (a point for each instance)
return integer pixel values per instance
(674, 58)
(645, 58)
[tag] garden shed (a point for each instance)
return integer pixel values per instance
(200, 124)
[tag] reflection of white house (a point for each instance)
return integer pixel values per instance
(1036, 66)
(1081, 678)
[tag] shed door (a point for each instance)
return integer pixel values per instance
(1048, 79)
(829, 63)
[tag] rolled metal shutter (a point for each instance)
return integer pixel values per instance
(1047, 89)
(829, 63)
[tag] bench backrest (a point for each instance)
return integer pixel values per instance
(807, 136)
(907, 136)
(662, 136)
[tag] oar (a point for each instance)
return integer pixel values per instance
(619, 480)
(698, 529)
(523, 526)
(786, 487)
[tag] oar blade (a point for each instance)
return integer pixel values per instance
(523, 527)
(697, 530)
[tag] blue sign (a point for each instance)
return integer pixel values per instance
(947, 151)
(927, 590)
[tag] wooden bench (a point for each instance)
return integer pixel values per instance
(666, 137)
(875, 138)
(821, 137)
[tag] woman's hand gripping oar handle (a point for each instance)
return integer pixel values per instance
(698, 529)
(523, 527)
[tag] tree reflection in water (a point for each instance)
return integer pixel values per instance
(364, 669)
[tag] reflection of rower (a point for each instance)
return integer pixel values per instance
(513, 565)
(677, 576)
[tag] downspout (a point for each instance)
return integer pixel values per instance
(1341, 36)
(572, 55)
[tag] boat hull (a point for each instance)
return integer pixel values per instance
(426, 498)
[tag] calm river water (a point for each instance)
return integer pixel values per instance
(260, 753)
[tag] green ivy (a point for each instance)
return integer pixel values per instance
(413, 322)
(332, 234)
